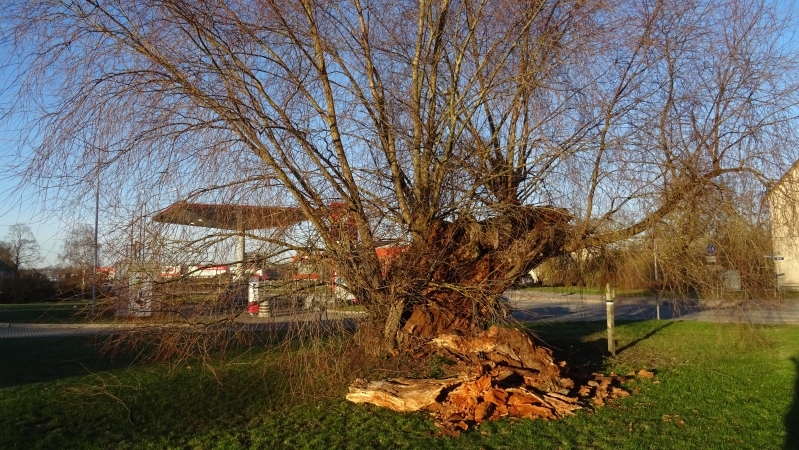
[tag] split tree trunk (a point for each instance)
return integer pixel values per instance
(449, 286)
(452, 280)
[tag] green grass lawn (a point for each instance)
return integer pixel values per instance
(60, 312)
(717, 386)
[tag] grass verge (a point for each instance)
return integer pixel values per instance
(50, 312)
(716, 386)
(576, 290)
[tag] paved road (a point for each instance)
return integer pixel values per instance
(23, 330)
(553, 307)
(278, 320)
(527, 306)
(29, 330)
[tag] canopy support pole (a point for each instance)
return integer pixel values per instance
(239, 270)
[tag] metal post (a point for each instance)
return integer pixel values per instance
(96, 225)
(240, 255)
(657, 306)
(141, 233)
(657, 286)
(609, 296)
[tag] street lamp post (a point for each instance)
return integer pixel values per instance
(96, 226)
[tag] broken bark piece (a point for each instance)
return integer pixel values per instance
(501, 411)
(519, 397)
(496, 396)
(483, 411)
(643, 373)
(400, 394)
(561, 407)
(619, 392)
(562, 397)
(463, 397)
(528, 411)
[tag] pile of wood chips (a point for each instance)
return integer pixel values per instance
(499, 373)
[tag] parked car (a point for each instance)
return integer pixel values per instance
(525, 280)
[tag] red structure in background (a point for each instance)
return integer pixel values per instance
(305, 268)
(171, 271)
(386, 255)
(342, 224)
(107, 272)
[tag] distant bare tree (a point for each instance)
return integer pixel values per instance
(483, 136)
(77, 251)
(22, 246)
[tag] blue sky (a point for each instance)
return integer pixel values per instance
(18, 204)
(24, 204)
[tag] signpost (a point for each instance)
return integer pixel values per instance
(610, 294)
(776, 275)
(711, 254)
(657, 286)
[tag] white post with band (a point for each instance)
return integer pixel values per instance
(610, 294)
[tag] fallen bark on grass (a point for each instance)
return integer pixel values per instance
(497, 373)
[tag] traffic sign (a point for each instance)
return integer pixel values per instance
(711, 249)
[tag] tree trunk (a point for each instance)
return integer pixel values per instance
(392, 325)
(453, 280)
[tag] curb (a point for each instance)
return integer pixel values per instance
(339, 311)
(81, 326)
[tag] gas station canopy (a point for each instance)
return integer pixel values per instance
(229, 217)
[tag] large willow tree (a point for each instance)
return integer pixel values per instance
(482, 136)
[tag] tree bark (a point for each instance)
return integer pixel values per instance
(453, 280)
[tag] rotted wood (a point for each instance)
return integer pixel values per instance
(401, 394)
(497, 373)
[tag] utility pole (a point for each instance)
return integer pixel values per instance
(96, 225)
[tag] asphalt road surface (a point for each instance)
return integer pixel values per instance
(554, 307)
(532, 306)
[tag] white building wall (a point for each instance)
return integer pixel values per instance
(784, 208)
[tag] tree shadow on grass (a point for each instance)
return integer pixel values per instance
(571, 342)
(153, 406)
(645, 337)
(792, 418)
(44, 359)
